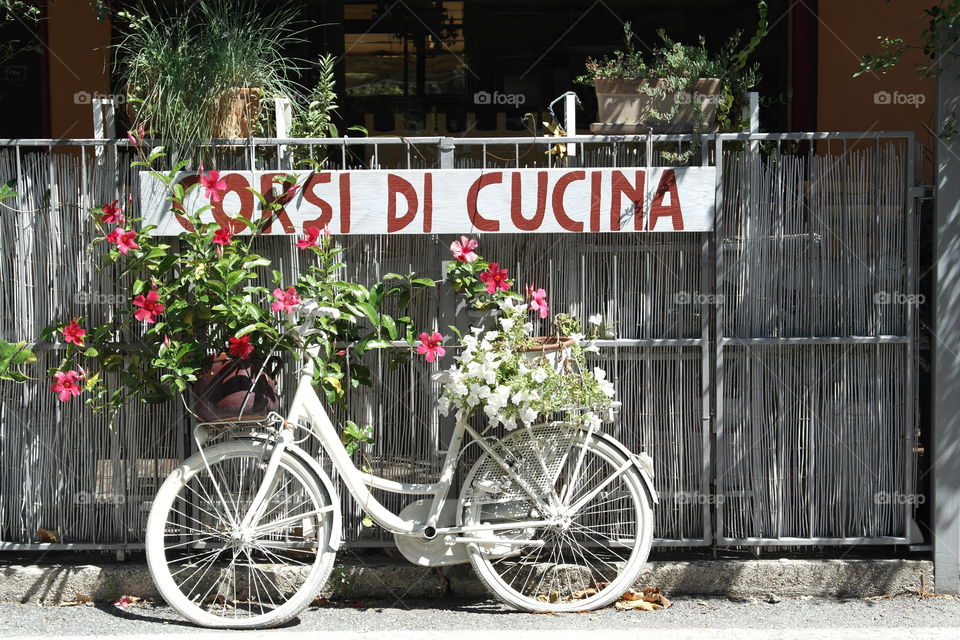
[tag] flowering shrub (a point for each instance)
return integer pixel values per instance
(212, 294)
(504, 372)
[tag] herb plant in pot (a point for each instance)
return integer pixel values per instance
(677, 88)
(193, 71)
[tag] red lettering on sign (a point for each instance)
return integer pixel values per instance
(238, 184)
(668, 185)
(344, 203)
(397, 186)
(186, 183)
(516, 213)
(595, 201)
(427, 202)
(478, 221)
(326, 211)
(562, 218)
(266, 190)
(620, 186)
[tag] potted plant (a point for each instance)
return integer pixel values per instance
(504, 371)
(207, 320)
(198, 70)
(677, 88)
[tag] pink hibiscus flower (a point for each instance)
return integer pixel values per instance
(496, 278)
(214, 185)
(240, 347)
(112, 214)
(285, 300)
(222, 236)
(66, 384)
(125, 240)
(73, 333)
(538, 301)
(429, 346)
(463, 250)
(311, 239)
(150, 307)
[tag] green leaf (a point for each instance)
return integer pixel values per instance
(12, 355)
(423, 282)
(91, 352)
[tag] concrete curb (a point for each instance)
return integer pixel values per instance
(366, 578)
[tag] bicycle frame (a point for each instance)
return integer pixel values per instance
(306, 406)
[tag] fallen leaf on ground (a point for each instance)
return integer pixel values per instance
(647, 599)
(48, 535)
(125, 602)
(81, 598)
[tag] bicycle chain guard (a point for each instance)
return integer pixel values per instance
(435, 552)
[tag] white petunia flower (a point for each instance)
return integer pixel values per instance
(443, 405)
(528, 415)
(490, 336)
(595, 319)
(592, 420)
(507, 323)
(576, 337)
(528, 327)
(539, 375)
(592, 347)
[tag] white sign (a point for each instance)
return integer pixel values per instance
(455, 201)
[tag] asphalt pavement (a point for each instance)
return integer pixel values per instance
(904, 616)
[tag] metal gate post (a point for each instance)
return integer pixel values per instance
(946, 377)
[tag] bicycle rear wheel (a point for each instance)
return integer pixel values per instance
(599, 524)
(216, 574)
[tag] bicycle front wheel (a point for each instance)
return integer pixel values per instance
(219, 574)
(583, 541)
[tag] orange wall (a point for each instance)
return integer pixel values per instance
(77, 60)
(849, 29)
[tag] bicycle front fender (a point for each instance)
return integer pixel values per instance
(642, 461)
(311, 463)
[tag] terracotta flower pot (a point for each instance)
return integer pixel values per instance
(623, 108)
(225, 389)
(236, 113)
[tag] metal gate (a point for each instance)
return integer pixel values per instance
(768, 367)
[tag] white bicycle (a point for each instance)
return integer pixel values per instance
(244, 534)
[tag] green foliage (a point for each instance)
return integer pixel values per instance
(677, 66)
(316, 121)
(13, 356)
(25, 12)
(180, 63)
(938, 41)
(214, 292)
(355, 436)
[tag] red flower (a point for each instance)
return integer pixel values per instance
(131, 138)
(463, 250)
(150, 307)
(285, 300)
(222, 236)
(73, 333)
(311, 240)
(214, 185)
(112, 214)
(125, 240)
(429, 346)
(496, 278)
(240, 347)
(538, 301)
(66, 384)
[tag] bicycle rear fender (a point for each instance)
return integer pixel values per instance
(642, 461)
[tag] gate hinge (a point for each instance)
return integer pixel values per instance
(921, 191)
